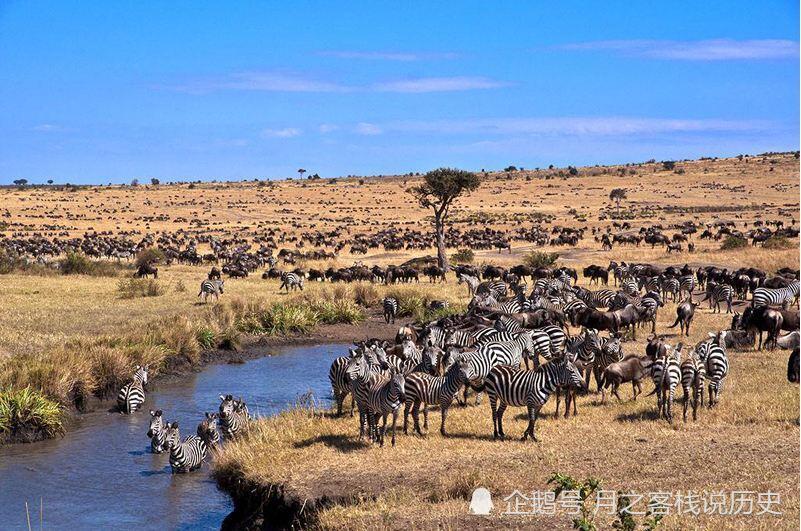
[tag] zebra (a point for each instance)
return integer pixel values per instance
(595, 299)
(385, 398)
(651, 301)
(717, 293)
(687, 283)
(185, 456)
(207, 430)
(630, 286)
(669, 378)
(157, 431)
(363, 373)
(610, 351)
(132, 394)
(670, 286)
(209, 288)
(468, 338)
(471, 281)
(390, 309)
(233, 416)
(291, 281)
(652, 284)
(777, 297)
(511, 386)
(435, 335)
(425, 389)
(716, 364)
(583, 348)
(495, 288)
(340, 383)
(693, 374)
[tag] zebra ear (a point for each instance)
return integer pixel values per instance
(222, 398)
(158, 413)
(152, 413)
(138, 367)
(175, 424)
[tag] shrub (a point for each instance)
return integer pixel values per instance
(179, 337)
(26, 410)
(151, 255)
(206, 337)
(180, 287)
(76, 264)
(778, 242)
(734, 242)
(131, 288)
(230, 339)
(463, 256)
(366, 295)
(540, 259)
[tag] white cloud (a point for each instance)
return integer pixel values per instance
(288, 132)
(438, 84)
(327, 128)
(368, 129)
(48, 128)
(703, 50)
(389, 56)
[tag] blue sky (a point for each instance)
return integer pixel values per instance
(97, 92)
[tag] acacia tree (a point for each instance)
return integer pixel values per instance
(438, 191)
(301, 171)
(617, 195)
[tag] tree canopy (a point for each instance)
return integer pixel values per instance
(441, 186)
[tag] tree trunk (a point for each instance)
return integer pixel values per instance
(618, 208)
(439, 228)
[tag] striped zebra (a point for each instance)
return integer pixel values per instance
(583, 348)
(291, 281)
(610, 350)
(630, 286)
(132, 394)
(687, 284)
(510, 386)
(207, 430)
(651, 301)
(670, 286)
(233, 416)
(669, 379)
(652, 284)
(390, 305)
(185, 456)
(435, 335)
(211, 288)
(424, 389)
(595, 299)
(471, 282)
(693, 375)
(364, 373)
(717, 293)
(340, 383)
(386, 397)
(157, 432)
(495, 288)
(467, 338)
(716, 364)
(775, 297)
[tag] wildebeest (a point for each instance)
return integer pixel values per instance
(146, 269)
(762, 319)
(684, 315)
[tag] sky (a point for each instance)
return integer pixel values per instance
(99, 92)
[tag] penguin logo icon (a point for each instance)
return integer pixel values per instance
(481, 502)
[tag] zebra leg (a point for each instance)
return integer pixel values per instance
(501, 410)
(425, 416)
(695, 400)
(686, 400)
(416, 417)
(340, 399)
(406, 409)
(384, 430)
(558, 400)
(394, 423)
(352, 403)
(574, 399)
(444, 412)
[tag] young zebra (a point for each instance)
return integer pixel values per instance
(132, 394)
(340, 383)
(233, 416)
(716, 364)
(425, 389)
(776, 297)
(211, 288)
(291, 281)
(514, 387)
(363, 374)
(693, 374)
(667, 381)
(157, 432)
(207, 430)
(185, 456)
(717, 293)
(471, 281)
(390, 309)
(386, 397)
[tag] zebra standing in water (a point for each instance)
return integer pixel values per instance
(157, 432)
(716, 364)
(340, 383)
(717, 293)
(185, 456)
(693, 374)
(211, 288)
(390, 309)
(207, 430)
(513, 387)
(132, 394)
(425, 389)
(291, 281)
(233, 416)
(385, 398)
(776, 297)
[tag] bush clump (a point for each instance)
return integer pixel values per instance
(463, 256)
(540, 259)
(734, 242)
(27, 414)
(75, 263)
(149, 256)
(132, 288)
(778, 242)
(366, 295)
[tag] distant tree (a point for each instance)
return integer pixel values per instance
(154, 181)
(617, 195)
(439, 189)
(550, 166)
(21, 182)
(135, 182)
(572, 171)
(50, 181)
(668, 165)
(301, 171)
(510, 168)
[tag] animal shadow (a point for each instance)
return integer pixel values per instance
(650, 414)
(343, 443)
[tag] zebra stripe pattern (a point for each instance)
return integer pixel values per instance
(363, 373)
(291, 281)
(233, 416)
(716, 364)
(424, 389)
(776, 297)
(718, 293)
(132, 394)
(390, 309)
(693, 375)
(207, 430)
(508, 386)
(340, 383)
(157, 432)
(211, 288)
(185, 456)
(385, 398)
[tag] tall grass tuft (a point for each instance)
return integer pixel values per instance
(25, 412)
(733, 242)
(132, 288)
(366, 295)
(540, 259)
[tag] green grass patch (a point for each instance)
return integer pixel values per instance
(733, 242)
(27, 414)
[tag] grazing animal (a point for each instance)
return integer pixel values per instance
(390, 309)
(185, 456)
(385, 398)
(146, 269)
(471, 281)
(509, 386)
(776, 297)
(291, 281)
(630, 369)
(684, 315)
(211, 288)
(763, 319)
(132, 394)
(793, 369)
(340, 383)
(424, 389)
(233, 416)
(716, 364)
(717, 293)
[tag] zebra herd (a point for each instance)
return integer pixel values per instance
(189, 454)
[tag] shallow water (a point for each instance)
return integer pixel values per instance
(102, 474)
